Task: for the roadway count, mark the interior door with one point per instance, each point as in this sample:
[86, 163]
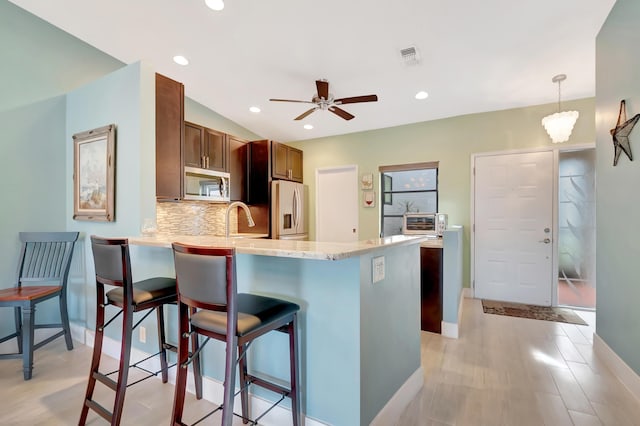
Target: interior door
[513, 227]
[337, 204]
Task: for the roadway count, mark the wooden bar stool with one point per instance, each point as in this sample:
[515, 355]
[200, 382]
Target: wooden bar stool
[113, 267]
[206, 280]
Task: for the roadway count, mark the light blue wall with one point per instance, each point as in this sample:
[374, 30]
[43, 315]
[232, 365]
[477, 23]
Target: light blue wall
[32, 179]
[617, 196]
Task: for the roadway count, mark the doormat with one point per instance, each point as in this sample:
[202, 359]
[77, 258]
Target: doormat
[544, 313]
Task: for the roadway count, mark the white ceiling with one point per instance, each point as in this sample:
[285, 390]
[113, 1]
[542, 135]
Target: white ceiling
[475, 56]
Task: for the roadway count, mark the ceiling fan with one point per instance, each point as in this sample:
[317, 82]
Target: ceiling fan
[324, 100]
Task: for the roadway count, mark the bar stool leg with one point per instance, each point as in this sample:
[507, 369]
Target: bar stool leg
[197, 368]
[229, 378]
[295, 369]
[181, 372]
[161, 343]
[125, 357]
[97, 351]
[242, 371]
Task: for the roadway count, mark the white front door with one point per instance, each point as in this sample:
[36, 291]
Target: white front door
[513, 227]
[337, 204]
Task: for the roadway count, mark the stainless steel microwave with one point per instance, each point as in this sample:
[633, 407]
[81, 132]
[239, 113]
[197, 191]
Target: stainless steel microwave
[206, 185]
[424, 223]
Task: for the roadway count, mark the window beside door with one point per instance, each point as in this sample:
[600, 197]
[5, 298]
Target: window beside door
[407, 188]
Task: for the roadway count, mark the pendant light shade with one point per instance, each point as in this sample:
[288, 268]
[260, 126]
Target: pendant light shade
[560, 125]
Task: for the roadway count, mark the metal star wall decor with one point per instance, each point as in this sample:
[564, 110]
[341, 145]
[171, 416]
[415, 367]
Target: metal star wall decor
[621, 133]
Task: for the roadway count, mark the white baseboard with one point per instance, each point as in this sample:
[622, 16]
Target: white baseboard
[618, 367]
[467, 292]
[398, 403]
[212, 390]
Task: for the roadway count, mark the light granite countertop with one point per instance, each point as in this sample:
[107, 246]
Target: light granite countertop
[281, 248]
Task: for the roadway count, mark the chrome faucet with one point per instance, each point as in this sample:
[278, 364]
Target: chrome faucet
[246, 210]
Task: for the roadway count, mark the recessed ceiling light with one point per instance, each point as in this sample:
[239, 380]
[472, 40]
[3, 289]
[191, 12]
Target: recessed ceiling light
[308, 126]
[180, 60]
[215, 4]
[422, 95]
[254, 109]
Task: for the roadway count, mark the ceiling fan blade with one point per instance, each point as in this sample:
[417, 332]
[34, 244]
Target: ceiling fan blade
[323, 88]
[356, 99]
[290, 100]
[306, 113]
[341, 113]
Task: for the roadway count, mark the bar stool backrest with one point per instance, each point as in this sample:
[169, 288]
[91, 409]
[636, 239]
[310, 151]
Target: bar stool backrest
[111, 260]
[206, 276]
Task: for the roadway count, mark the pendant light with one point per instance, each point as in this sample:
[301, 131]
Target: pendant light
[560, 125]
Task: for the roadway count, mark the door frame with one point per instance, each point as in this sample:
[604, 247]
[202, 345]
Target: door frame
[555, 150]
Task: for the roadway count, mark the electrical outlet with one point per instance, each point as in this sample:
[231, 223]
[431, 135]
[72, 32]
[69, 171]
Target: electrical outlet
[378, 268]
[143, 334]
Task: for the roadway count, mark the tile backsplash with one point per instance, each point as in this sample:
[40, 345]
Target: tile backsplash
[193, 218]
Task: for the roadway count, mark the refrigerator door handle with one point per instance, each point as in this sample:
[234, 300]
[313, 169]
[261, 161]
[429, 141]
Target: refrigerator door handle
[295, 208]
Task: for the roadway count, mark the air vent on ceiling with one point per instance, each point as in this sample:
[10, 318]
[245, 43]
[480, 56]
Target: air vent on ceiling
[410, 56]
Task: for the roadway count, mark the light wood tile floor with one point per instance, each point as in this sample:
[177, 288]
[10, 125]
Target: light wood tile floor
[502, 371]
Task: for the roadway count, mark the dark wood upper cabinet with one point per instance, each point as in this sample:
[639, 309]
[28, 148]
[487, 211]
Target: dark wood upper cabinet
[169, 133]
[286, 162]
[215, 150]
[204, 148]
[237, 166]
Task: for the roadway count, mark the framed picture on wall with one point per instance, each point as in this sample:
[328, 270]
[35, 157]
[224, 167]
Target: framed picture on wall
[94, 174]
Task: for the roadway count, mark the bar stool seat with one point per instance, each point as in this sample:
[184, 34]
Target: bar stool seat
[254, 312]
[151, 289]
[209, 305]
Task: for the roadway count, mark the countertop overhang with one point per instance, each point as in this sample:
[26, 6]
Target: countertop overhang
[281, 248]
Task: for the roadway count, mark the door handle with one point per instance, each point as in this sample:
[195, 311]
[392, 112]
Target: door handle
[546, 241]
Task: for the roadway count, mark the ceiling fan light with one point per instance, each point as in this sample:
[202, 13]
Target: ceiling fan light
[215, 4]
[560, 125]
[254, 109]
[308, 126]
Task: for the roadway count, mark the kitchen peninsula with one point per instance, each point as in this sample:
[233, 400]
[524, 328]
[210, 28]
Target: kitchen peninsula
[360, 339]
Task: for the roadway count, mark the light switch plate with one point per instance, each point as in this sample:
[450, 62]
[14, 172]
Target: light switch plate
[378, 268]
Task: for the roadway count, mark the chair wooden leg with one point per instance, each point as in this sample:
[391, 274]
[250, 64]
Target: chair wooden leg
[229, 379]
[242, 371]
[181, 371]
[97, 352]
[17, 314]
[64, 317]
[295, 371]
[27, 340]
[161, 343]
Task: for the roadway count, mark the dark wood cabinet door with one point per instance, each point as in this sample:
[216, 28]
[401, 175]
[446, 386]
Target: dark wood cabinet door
[214, 150]
[279, 163]
[295, 164]
[431, 289]
[169, 131]
[193, 134]
[237, 168]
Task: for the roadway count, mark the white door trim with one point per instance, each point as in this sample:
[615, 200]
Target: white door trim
[556, 150]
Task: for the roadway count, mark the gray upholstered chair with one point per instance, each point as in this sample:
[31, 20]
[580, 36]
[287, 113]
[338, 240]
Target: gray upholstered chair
[113, 268]
[45, 259]
[207, 281]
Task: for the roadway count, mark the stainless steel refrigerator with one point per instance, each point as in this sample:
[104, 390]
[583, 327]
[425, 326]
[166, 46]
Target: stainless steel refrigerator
[288, 211]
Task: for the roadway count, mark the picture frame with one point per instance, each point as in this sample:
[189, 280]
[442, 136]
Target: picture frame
[94, 174]
[366, 181]
[368, 199]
